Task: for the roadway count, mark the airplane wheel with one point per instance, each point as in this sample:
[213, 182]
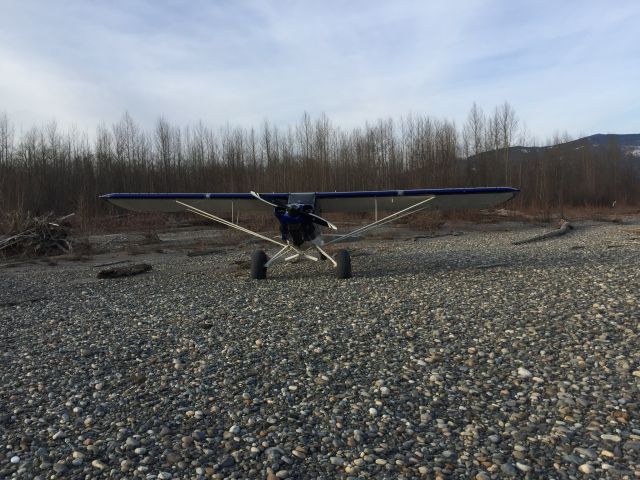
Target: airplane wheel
[343, 259]
[258, 270]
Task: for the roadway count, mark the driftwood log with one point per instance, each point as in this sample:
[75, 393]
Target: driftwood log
[127, 271]
[109, 264]
[564, 228]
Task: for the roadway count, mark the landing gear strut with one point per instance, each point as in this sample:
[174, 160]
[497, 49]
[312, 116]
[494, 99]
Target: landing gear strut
[260, 262]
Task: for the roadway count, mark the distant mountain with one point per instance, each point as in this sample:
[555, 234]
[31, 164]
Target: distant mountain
[626, 140]
[629, 145]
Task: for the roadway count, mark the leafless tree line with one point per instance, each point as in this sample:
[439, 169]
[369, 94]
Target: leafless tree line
[565, 173]
[46, 169]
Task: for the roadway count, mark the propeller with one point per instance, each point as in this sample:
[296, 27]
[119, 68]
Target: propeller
[317, 218]
[322, 221]
[257, 195]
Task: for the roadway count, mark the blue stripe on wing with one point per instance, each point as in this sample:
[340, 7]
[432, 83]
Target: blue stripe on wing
[319, 195]
[415, 192]
[192, 196]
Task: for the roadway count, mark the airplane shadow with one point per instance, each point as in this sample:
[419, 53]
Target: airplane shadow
[396, 263]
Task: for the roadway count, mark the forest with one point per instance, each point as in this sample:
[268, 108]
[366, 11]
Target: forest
[46, 169]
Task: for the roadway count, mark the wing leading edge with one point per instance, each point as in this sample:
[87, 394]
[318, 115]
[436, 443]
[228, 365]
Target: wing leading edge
[326, 202]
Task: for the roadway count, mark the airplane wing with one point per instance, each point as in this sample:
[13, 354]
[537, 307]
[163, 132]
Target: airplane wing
[396, 200]
[216, 203]
[326, 202]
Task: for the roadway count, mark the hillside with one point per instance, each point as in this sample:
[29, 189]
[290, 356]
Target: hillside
[596, 170]
[629, 145]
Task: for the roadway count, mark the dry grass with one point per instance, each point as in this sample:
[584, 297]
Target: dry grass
[604, 214]
[429, 221]
[129, 222]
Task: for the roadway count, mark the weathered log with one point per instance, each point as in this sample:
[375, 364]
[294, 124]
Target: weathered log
[127, 271]
[109, 264]
[564, 228]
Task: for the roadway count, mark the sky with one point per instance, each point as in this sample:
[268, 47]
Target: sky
[565, 65]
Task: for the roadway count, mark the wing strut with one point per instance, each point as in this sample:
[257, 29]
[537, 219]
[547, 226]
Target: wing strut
[389, 218]
[227, 223]
[286, 247]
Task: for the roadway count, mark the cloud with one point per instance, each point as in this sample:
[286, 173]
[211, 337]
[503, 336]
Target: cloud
[562, 65]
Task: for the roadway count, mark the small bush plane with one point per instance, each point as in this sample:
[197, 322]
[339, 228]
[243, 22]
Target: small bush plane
[300, 217]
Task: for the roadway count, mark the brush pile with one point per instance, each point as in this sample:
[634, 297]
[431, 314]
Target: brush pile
[35, 236]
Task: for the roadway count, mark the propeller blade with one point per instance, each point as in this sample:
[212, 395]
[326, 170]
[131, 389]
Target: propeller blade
[256, 195]
[323, 221]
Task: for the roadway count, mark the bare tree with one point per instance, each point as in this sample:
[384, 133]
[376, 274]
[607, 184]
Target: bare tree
[6, 138]
[473, 130]
[508, 125]
[47, 168]
[163, 150]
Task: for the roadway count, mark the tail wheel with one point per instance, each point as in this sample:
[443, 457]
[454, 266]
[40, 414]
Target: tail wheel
[343, 259]
[258, 270]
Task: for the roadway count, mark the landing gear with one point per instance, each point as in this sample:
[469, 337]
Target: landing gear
[343, 267]
[260, 262]
[258, 268]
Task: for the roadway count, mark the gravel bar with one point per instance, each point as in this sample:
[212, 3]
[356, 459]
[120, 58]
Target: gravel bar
[449, 357]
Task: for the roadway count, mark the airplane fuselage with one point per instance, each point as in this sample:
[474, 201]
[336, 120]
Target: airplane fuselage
[296, 226]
